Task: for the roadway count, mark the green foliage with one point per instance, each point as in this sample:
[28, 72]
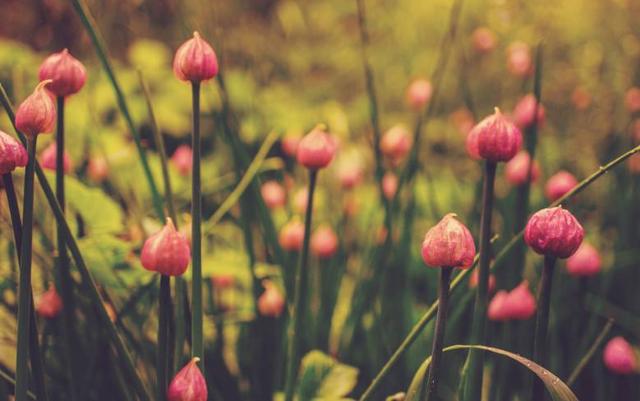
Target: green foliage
[324, 378]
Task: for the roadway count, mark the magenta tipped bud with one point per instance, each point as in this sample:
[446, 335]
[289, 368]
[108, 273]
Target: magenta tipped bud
[166, 252]
[559, 184]
[419, 93]
[554, 232]
[324, 242]
[50, 304]
[291, 236]
[274, 194]
[497, 310]
[389, 185]
[585, 262]
[484, 40]
[182, 159]
[521, 304]
[448, 244]
[188, 384]
[48, 159]
[316, 149]
[195, 60]
[37, 113]
[396, 143]
[498, 139]
[12, 154]
[619, 356]
[271, 302]
[67, 73]
[517, 169]
[523, 114]
[519, 60]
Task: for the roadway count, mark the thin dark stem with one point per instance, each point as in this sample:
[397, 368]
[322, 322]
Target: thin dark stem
[590, 353]
[196, 217]
[438, 337]
[300, 291]
[65, 283]
[24, 286]
[35, 357]
[164, 348]
[542, 322]
[476, 357]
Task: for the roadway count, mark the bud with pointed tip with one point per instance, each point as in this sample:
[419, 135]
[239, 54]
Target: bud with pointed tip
[271, 302]
[497, 310]
[517, 169]
[166, 252]
[273, 194]
[523, 114]
[448, 244]
[389, 185]
[50, 304]
[182, 159]
[619, 356]
[554, 232]
[585, 262]
[188, 384]
[37, 113]
[498, 138]
[12, 154]
[316, 149]
[324, 242]
[195, 60]
[396, 142]
[289, 144]
[48, 159]
[520, 303]
[419, 93]
[67, 73]
[291, 236]
[559, 184]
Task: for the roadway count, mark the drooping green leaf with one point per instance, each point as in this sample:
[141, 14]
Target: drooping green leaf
[324, 378]
[558, 390]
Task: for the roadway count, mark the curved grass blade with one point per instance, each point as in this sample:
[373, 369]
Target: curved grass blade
[589, 354]
[558, 389]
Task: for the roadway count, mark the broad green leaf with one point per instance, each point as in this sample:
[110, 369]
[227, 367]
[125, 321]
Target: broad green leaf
[324, 378]
[106, 256]
[557, 388]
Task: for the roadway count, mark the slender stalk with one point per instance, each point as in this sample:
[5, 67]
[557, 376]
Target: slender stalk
[196, 216]
[24, 286]
[35, 356]
[65, 283]
[542, 322]
[164, 351]
[476, 357]
[300, 291]
[438, 337]
[590, 353]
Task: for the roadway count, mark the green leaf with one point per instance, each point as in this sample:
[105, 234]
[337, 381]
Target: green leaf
[557, 388]
[107, 258]
[324, 378]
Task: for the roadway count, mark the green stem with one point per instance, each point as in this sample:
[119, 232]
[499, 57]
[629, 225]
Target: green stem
[590, 353]
[65, 283]
[542, 322]
[196, 216]
[476, 357]
[438, 337]
[300, 291]
[164, 348]
[35, 357]
[24, 286]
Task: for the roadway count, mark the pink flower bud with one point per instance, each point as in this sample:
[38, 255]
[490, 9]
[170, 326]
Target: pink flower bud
[519, 59]
[396, 142]
[50, 304]
[517, 169]
[98, 169]
[389, 185]
[498, 311]
[12, 154]
[585, 262]
[632, 99]
[273, 194]
[520, 303]
[37, 113]
[559, 184]
[484, 40]
[166, 252]
[48, 159]
[195, 60]
[619, 356]
[324, 242]
[554, 232]
[471, 144]
[289, 144]
[473, 280]
[182, 159]
[350, 172]
[581, 98]
[448, 244]
[67, 74]
[188, 384]
[523, 114]
[223, 281]
[316, 149]
[271, 302]
[419, 93]
[291, 236]
[498, 138]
